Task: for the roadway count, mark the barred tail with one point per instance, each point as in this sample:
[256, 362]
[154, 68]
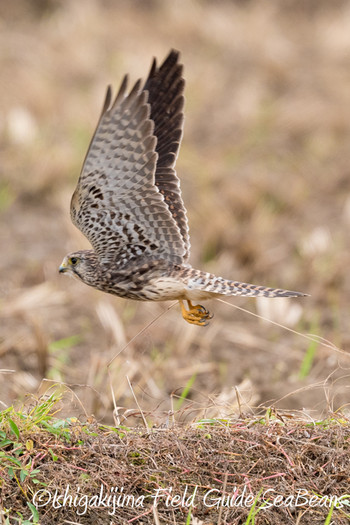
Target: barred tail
[197, 281]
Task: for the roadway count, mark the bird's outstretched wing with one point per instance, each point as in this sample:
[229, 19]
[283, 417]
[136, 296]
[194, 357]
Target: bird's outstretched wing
[165, 86]
[117, 204]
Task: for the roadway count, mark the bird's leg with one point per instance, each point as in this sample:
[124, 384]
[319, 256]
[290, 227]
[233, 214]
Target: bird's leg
[196, 314]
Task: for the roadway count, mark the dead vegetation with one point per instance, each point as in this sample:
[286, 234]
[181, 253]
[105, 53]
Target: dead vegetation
[270, 469]
[264, 157]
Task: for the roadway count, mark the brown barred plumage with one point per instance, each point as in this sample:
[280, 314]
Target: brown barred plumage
[128, 202]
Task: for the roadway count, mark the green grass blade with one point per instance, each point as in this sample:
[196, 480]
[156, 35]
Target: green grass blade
[309, 356]
[329, 516]
[14, 428]
[185, 392]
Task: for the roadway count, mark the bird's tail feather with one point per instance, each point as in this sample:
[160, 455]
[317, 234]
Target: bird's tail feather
[207, 282]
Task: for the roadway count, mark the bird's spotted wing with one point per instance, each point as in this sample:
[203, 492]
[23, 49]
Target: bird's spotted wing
[165, 86]
[116, 204]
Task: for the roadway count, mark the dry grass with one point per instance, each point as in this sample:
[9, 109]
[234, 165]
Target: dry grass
[273, 469]
[264, 156]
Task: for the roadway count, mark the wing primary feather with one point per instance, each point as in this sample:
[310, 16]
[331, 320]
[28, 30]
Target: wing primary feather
[135, 90]
[172, 58]
[153, 67]
[108, 99]
[122, 90]
[105, 107]
[165, 96]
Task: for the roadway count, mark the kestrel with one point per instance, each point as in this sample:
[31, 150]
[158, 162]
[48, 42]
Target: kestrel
[128, 202]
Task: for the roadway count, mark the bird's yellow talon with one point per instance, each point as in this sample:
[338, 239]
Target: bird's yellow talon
[196, 314]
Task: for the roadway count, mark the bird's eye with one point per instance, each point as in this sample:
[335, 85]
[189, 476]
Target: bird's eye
[74, 260]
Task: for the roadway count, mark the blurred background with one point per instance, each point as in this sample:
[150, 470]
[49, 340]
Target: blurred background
[265, 174]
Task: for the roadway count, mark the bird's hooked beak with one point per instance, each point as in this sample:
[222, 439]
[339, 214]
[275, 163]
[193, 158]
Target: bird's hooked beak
[64, 267]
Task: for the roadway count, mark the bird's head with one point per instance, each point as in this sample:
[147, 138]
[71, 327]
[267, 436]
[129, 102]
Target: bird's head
[82, 265]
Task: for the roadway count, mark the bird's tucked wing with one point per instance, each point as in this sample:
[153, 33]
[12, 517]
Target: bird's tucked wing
[165, 86]
[116, 204]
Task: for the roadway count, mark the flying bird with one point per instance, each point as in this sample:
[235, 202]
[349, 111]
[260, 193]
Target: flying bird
[128, 202]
